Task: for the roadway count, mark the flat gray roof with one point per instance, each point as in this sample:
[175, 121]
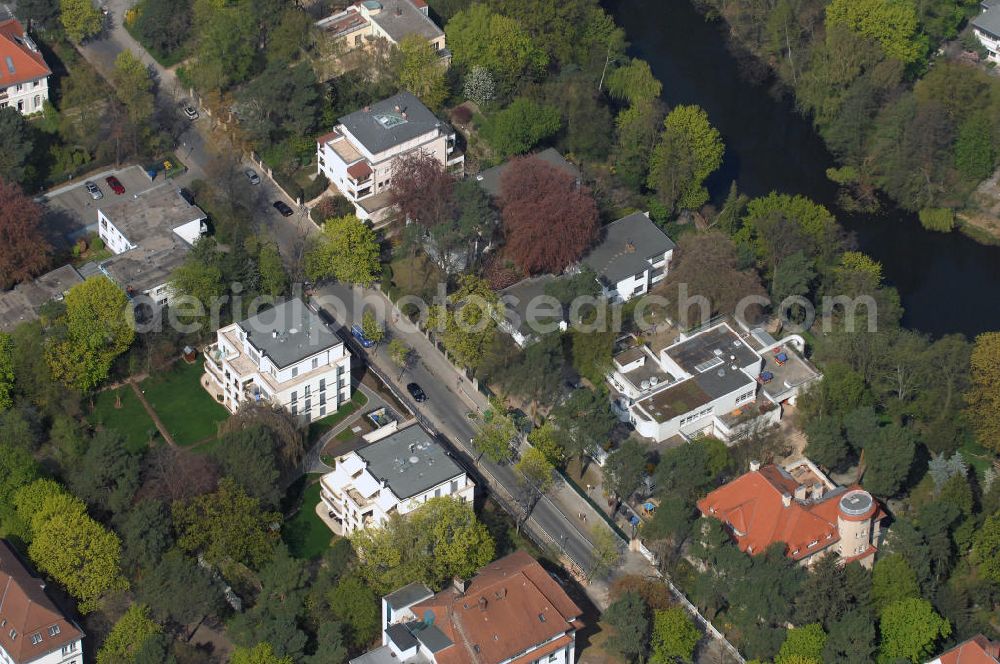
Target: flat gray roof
[151, 214]
[517, 297]
[410, 461]
[489, 179]
[713, 345]
[21, 304]
[722, 381]
[432, 637]
[400, 635]
[288, 333]
[409, 594]
[400, 18]
[989, 21]
[150, 264]
[382, 127]
[627, 246]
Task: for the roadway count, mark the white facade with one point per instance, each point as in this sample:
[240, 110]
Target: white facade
[986, 28]
[242, 372]
[364, 489]
[28, 97]
[640, 282]
[69, 653]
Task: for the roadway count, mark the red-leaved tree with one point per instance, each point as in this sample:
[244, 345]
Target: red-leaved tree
[24, 252]
[549, 220]
[422, 190]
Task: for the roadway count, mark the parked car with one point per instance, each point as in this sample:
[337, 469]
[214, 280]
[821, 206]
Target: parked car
[115, 184]
[191, 112]
[252, 176]
[94, 191]
[416, 392]
[282, 207]
[186, 195]
[360, 336]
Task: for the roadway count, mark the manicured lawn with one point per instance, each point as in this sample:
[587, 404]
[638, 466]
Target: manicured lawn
[976, 455]
[131, 420]
[319, 427]
[186, 409]
[305, 534]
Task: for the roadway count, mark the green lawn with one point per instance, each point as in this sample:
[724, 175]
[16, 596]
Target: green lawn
[305, 534]
[185, 408]
[976, 455]
[319, 427]
[131, 420]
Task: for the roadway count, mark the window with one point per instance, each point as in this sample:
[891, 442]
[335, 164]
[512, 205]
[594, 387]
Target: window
[295, 372]
[295, 396]
[322, 398]
[315, 362]
[295, 409]
[308, 405]
[36, 638]
[13, 634]
[20, 87]
[68, 648]
[307, 390]
[322, 411]
[36, 84]
[37, 101]
[454, 486]
[20, 105]
[437, 492]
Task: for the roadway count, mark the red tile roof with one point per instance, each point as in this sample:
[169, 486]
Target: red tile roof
[511, 605]
[977, 650]
[359, 171]
[26, 611]
[753, 505]
[15, 52]
[326, 138]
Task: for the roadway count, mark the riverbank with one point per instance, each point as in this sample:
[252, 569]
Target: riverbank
[947, 282]
[981, 221]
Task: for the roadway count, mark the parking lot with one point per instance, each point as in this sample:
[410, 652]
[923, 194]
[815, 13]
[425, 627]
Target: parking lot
[70, 211]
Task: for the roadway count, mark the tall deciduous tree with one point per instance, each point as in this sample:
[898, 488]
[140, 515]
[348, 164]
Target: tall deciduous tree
[128, 635]
[549, 220]
[496, 438]
[226, 525]
[892, 580]
[133, 87]
[629, 617]
[262, 653]
[534, 475]
[438, 541]
[983, 397]
[893, 24]
[625, 468]
[584, 422]
[466, 323]
[521, 126]
[80, 18]
[107, 475]
[6, 372]
[24, 252]
[16, 146]
[674, 636]
[421, 71]
[634, 82]
[347, 250]
[99, 328]
[689, 150]
[638, 130]
[910, 630]
[802, 645]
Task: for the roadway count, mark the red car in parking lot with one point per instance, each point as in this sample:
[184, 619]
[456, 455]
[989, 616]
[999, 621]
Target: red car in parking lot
[115, 185]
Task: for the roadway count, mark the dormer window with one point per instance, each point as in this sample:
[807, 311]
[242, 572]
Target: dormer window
[54, 630]
[36, 638]
[812, 544]
[13, 634]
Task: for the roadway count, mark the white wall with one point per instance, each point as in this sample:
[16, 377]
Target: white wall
[991, 44]
[71, 653]
[691, 422]
[28, 98]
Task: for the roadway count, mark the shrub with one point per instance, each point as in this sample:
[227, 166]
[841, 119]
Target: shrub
[461, 115]
[331, 208]
[937, 219]
[315, 187]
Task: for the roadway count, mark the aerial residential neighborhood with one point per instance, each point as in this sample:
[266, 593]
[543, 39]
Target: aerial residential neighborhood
[457, 332]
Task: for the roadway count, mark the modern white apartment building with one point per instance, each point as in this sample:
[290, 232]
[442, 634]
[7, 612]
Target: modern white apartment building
[633, 257]
[24, 76]
[714, 382]
[391, 20]
[150, 234]
[33, 630]
[394, 475]
[284, 356]
[511, 612]
[359, 155]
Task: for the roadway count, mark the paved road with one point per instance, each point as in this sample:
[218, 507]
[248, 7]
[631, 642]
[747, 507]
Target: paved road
[201, 145]
[448, 406]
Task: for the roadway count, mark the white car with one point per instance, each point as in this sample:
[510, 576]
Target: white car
[191, 112]
[94, 191]
[252, 176]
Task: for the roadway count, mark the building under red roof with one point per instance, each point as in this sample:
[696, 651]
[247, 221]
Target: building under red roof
[977, 650]
[20, 59]
[32, 625]
[800, 507]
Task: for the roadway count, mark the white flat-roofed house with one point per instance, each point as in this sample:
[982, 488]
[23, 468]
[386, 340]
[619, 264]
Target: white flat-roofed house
[284, 356]
[391, 20]
[358, 156]
[150, 234]
[24, 76]
[633, 257]
[986, 27]
[33, 630]
[395, 474]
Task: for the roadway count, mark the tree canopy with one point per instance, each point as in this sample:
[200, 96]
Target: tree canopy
[24, 251]
[689, 150]
[347, 250]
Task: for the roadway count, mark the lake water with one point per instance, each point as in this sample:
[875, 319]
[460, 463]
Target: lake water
[947, 282]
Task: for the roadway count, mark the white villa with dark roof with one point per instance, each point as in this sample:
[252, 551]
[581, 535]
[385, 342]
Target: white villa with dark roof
[33, 630]
[284, 356]
[359, 155]
[986, 27]
[394, 475]
[713, 382]
[633, 257]
[391, 20]
[24, 76]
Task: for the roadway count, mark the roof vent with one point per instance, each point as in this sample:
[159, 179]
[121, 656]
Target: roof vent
[482, 603]
[754, 465]
[274, 334]
[733, 367]
[721, 372]
[414, 459]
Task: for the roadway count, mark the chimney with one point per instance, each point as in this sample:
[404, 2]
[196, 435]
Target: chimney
[818, 490]
[397, 109]
[800, 492]
[274, 334]
[482, 603]
[629, 247]
[403, 114]
[754, 466]
[367, 109]
[458, 583]
[786, 499]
